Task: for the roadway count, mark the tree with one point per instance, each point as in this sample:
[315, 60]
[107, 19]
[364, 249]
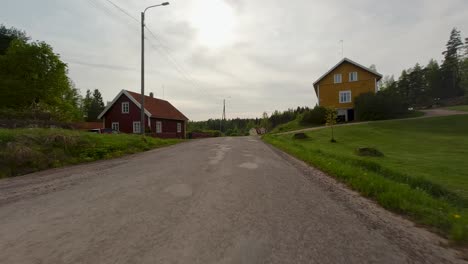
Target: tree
[464, 70]
[373, 67]
[7, 35]
[95, 107]
[87, 102]
[451, 76]
[417, 87]
[265, 123]
[387, 83]
[32, 77]
[331, 121]
[434, 80]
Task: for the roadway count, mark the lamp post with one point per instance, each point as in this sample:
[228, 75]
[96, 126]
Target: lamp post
[142, 122]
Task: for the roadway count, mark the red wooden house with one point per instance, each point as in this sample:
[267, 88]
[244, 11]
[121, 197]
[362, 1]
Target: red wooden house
[162, 118]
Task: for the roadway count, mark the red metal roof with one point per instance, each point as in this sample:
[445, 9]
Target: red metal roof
[159, 108]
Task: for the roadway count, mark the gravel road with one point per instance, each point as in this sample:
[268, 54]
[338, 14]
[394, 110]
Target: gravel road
[222, 200]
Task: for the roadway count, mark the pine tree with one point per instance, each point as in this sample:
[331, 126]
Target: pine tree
[451, 76]
[87, 103]
[95, 107]
[433, 79]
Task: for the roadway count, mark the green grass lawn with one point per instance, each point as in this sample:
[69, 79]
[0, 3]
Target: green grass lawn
[290, 126]
[458, 108]
[27, 150]
[423, 173]
[295, 124]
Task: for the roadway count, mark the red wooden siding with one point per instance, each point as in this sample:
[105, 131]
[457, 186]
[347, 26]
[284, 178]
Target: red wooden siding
[125, 120]
[169, 128]
[114, 114]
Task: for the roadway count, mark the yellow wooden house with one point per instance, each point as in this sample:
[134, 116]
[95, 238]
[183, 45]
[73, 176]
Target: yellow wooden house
[339, 86]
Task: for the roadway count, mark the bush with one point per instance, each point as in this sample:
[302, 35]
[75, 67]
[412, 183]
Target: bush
[27, 150]
[369, 152]
[383, 105]
[300, 136]
[315, 116]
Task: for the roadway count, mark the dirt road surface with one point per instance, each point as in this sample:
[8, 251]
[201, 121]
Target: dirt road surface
[223, 200]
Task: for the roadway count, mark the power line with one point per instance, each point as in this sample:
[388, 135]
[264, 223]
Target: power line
[123, 10]
[163, 49]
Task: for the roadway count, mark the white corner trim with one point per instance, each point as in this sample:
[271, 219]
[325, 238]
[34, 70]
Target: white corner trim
[376, 87]
[117, 98]
[318, 95]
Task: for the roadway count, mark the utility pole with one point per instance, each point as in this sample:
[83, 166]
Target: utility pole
[223, 117]
[142, 100]
[142, 123]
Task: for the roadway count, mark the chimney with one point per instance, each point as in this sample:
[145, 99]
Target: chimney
[151, 95]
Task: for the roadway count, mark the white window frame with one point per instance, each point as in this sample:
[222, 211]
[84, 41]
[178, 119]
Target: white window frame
[179, 128]
[158, 127]
[125, 107]
[136, 131]
[338, 78]
[351, 75]
[115, 126]
[344, 93]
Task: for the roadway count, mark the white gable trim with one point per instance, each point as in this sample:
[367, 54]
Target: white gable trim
[350, 61]
[117, 98]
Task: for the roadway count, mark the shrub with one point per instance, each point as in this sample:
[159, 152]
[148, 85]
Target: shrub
[369, 152]
[383, 105]
[300, 136]
[315, 116]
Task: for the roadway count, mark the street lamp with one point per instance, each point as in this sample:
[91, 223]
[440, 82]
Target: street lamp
[142, 122]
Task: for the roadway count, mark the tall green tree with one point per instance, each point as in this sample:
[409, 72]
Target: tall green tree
[451, 70]
[464, 69]
[417, 87]
[32, 77]
[434, 79]
[95, 107]
[7, 35]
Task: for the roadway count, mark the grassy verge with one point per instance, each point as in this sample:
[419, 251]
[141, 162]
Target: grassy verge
[27, 150]
[423, 173]
[458, 108]
[290, 126]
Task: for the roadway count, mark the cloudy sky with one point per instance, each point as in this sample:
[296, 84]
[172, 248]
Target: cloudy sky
[260, 55]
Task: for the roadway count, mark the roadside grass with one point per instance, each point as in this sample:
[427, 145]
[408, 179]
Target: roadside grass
[458, 108]
[24, 151]
[290, 126]
[423, 173]
[295, 124]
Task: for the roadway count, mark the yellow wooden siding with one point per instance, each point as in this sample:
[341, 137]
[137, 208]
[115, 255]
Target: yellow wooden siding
[328, 91]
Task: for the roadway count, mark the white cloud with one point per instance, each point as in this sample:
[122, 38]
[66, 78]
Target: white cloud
[268, 58]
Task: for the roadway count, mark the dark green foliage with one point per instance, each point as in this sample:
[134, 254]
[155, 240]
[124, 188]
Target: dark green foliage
[7, 35]
[278, 118]
[383, 105]
[368, 152]
[241, 126]
[300, 136]
[427, 86]
[32, 77]
[315, 116]
[93, 105]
